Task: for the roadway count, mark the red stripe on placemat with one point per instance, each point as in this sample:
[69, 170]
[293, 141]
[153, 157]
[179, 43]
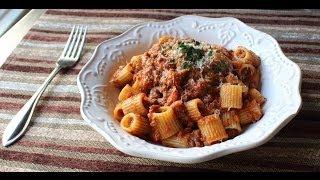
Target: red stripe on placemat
[82, 149]
[42, 108]
[300, 50]
[35, 69]
[167, 17]
[89, 165]
[47, 98]
[316, 43]
[37, 60]
[39, 37]
[203, 11]
[51, 31]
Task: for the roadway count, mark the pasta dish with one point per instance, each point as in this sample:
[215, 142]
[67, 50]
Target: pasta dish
[183, 93]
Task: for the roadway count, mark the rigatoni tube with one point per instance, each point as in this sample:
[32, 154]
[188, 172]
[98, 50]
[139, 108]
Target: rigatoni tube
[123, 76]
[135, 104]
[177, 141]
[166, 122]
[231, 123]
[246, 56]
[193, 109]
[126, 92]
[231, 96]
[211, 129]
[251, 113]
[135, 124]
[256, 95]
[118, 111]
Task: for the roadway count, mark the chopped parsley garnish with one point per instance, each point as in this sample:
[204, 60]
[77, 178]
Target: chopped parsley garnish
[183, 48]
[221, 67]
[192, 54]
[186, 65]
[210, 53]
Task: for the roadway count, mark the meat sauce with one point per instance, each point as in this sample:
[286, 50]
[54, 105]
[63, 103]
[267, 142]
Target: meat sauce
[175, 71]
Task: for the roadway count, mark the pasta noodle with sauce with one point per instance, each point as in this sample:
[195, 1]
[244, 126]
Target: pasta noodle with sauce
[123, 76]
[126, 92]
[135, 124]
[193, 109]
[166, 122]
[135, 104]
[231, 96]
[183, 93]
[212, 129]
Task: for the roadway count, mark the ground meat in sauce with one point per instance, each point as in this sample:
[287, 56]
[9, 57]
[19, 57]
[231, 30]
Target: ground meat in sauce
[174, 87]
[182, 114]
[195, 139]
[178, 70]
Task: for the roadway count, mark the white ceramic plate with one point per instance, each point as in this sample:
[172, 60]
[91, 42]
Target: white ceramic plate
[281, 79]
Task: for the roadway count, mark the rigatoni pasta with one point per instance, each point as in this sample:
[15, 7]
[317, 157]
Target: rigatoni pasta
[135, 104]
[193, 109]
[123, 76]
[246, 56]
[256, 95]
[165, 122]
[231, 96]
[184, 93]
[118, 111]
[135, 124]
[251, 113]
[136, 62]
[177, 141]
[126, 92]
[212, 129]
[231, 123]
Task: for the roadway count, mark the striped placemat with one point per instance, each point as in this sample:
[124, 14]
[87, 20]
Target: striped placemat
[60, 140]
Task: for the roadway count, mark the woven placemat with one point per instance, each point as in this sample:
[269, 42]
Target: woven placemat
[60, 140]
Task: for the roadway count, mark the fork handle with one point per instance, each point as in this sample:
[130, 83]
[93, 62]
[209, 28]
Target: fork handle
[18, 125]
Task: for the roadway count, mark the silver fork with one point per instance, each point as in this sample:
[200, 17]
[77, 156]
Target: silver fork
[69, 57]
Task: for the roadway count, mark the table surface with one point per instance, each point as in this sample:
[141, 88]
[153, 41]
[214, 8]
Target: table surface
[59, 139]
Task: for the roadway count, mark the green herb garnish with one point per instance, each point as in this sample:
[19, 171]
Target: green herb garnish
[186, 65]
[222, 66]
[192, 55]
[210, 53]
[183, 48]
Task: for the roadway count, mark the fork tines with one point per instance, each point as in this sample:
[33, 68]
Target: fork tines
[75, 43]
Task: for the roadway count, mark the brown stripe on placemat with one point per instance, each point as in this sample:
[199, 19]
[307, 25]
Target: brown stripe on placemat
[306, 73]
[82, 149]
[300, 50]
[42, 108]
[317, 43]
[35, 69]
[230, 13]
[39, 37]
[261, 13]
[99, 39]
[167, 17]
[57, 32]
[47, 98]
[89, 165]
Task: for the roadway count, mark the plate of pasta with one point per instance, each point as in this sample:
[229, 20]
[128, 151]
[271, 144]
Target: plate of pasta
[190, 89]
